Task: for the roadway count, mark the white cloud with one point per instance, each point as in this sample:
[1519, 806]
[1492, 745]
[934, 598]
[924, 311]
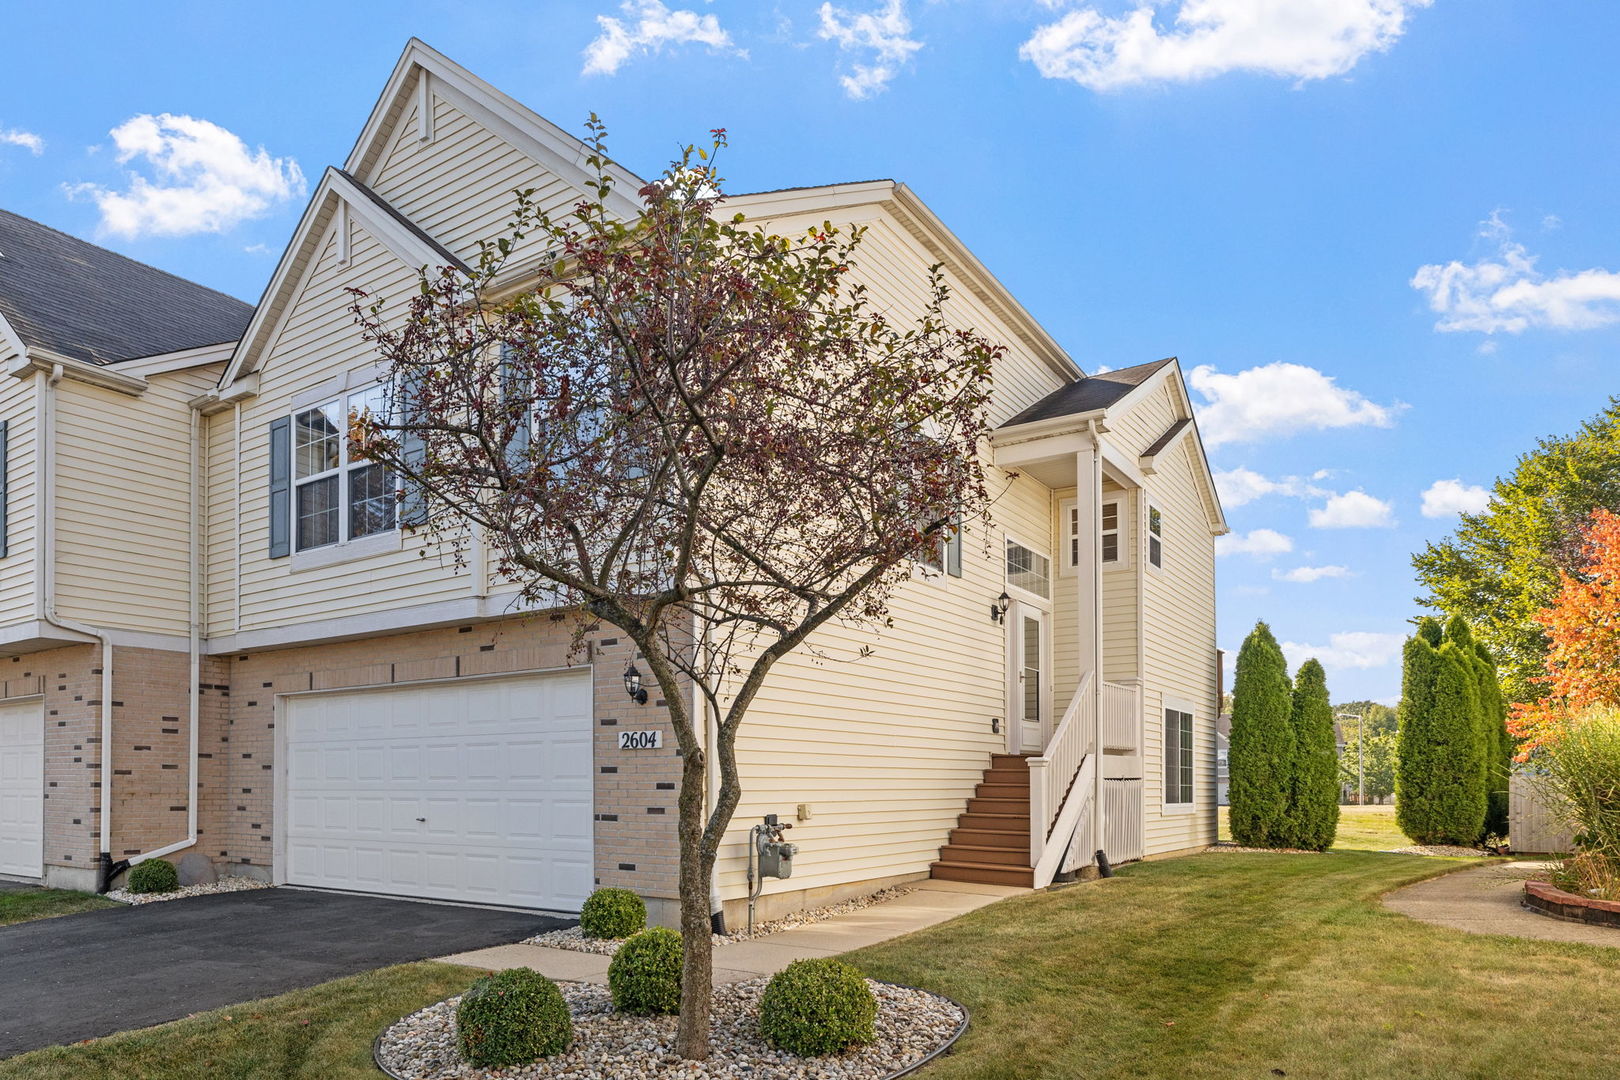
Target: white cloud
[1353, 510]
[883, 33]
[1278, 399]
[1261, 543]
[647, 27]
[1358, 649]
[25, 139]
[1505, 293]
[1240, 486]
[1200, 39]
[204, 179]
[1447, 498]
[1304, 575]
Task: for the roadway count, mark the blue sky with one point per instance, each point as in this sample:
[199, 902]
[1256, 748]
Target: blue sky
[1381, 234]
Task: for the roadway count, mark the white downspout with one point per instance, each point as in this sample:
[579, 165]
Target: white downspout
[1095, 614]
[194, 665]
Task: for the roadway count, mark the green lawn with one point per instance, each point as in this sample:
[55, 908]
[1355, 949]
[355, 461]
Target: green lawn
[323, 1033]
[1255, 966]
[21, 905]
[1361, 828]
[1213, 966]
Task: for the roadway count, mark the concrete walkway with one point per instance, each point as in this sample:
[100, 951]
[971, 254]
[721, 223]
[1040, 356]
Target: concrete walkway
[929, 903]
[1486, 900]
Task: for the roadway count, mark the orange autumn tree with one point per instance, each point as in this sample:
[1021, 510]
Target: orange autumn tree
[1583, 633]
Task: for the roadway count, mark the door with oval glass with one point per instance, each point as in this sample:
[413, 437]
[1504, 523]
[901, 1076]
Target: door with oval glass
[1029, 648]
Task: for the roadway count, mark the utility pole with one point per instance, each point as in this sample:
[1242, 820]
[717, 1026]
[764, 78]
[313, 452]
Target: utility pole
[1361, 757]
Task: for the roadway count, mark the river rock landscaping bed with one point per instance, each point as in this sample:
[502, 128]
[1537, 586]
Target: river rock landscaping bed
[911, 1025]
[574, 940]
[224, 884]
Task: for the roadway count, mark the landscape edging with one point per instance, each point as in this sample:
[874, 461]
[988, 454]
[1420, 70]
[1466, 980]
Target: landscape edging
[1555, 903]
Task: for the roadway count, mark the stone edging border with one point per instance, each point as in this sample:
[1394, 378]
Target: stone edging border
[1555, 903]
[927, 1059]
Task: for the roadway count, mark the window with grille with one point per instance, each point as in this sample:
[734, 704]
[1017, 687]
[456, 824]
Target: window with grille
[1178, 756]
[1028, 570]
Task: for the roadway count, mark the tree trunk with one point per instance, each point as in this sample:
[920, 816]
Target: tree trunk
[697, 946]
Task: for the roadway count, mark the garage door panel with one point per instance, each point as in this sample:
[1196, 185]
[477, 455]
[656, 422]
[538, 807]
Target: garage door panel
[22, 789]
[500, 770]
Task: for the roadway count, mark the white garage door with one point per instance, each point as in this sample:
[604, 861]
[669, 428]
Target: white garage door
[22, 788]
[476, 791]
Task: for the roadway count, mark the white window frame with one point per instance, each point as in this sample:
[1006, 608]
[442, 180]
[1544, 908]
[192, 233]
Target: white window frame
[341, 393]
[1166, 707]
[1018, 590]
[1148, 536]
[1069, 533]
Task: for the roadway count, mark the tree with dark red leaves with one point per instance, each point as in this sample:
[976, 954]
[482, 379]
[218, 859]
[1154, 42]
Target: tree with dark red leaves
[701, 433]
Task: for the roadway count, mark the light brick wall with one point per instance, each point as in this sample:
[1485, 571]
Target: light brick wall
[635, 790]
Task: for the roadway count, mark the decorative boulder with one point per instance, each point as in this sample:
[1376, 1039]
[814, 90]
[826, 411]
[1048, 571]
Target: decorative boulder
[196, 869]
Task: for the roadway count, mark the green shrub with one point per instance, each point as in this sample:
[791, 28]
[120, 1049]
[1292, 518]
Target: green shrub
[512, 1018]
[645, 974]
[1440, 785]
[1262, 754]
[153, 876]
[612, 913]
[1314, 811]
[1578, 774]
[816, 1007]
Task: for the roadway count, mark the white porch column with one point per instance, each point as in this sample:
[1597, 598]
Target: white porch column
[1088, 580]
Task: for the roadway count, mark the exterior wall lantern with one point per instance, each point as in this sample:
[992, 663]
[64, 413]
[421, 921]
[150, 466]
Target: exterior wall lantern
[999, 606]
[633, 687]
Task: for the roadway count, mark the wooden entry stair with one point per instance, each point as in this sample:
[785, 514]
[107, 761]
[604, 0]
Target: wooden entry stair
[990, 843]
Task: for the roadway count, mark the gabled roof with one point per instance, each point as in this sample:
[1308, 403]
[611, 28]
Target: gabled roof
[1089, 394]
[72, 298]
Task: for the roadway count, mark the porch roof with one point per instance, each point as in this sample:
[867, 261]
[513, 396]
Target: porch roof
[1089, 394]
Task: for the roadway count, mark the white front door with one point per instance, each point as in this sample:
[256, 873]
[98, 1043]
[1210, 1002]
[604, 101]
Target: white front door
[476, 791]
[1031, 693]
[22, 788]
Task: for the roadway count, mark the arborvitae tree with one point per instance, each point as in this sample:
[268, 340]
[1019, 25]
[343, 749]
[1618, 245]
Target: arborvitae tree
[1498, 743]
[1262, 747]
[1429, 630]
[1440, 794]
[1315, 810]
[1458, 633]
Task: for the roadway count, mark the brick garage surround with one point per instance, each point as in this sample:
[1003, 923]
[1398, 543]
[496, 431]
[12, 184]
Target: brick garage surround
[635, 790]
[149, 758]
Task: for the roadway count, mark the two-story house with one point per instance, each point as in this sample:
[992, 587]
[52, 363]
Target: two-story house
[292, 685]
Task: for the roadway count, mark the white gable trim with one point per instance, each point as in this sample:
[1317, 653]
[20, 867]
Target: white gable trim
[338, 203]
[544, 142]
[9, 338]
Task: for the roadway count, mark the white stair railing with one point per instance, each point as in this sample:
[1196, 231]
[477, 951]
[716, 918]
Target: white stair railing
[1060, 782]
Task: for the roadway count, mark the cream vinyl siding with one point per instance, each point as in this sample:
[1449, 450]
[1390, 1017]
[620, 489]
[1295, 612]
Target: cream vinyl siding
[18, 568]
[123, 502]
[458, 187]
[1119, 605]
[886, 749]
[1178, 615]
[219, 485]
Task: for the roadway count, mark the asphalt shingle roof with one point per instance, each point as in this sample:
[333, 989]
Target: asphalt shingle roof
[1088, 394]
[71, 297]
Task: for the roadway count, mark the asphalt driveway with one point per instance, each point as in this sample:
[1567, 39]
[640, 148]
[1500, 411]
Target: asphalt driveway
[91, 974]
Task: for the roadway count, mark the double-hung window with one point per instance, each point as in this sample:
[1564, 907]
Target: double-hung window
[1108, 534]
[337, 495]
[1178, 757]
[1155, 537]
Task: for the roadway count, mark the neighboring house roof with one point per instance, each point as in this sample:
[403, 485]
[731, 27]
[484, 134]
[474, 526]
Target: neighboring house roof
[70, 297]
[1089, 394]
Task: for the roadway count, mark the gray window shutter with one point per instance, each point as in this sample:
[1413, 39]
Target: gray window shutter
[5, 488]
[281, 487]
[412, 499]
[953, 550]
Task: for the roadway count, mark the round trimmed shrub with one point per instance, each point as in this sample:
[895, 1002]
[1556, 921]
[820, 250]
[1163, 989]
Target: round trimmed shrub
[512, 1018]
[816, 1007]
[644, 976]
[612, 913]
[153, 876]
